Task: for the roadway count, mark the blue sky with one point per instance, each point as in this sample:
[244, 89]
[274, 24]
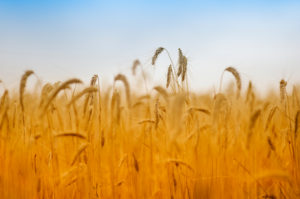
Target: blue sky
[62, 39]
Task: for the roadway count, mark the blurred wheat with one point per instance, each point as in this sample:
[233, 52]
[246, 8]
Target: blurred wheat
[65, 142]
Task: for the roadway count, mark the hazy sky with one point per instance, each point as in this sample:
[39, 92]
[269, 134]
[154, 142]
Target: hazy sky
[61, 39]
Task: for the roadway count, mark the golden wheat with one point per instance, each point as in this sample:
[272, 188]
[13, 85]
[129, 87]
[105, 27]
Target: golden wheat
[178, 143]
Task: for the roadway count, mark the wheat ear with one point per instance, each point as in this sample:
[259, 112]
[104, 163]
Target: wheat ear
[155, 56]
[180, 61]
[282, 89]
[135, 64]
[169, 76]
[184, 68]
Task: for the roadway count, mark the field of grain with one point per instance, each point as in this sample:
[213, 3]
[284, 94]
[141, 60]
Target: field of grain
[70, 140]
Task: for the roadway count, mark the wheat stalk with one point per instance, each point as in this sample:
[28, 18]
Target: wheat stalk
[80, 150]
[169, 76]
[184, 68]
[3, 99]
[295, 97]
[156, 113]
[135, 163]
[88, 90]
[23, 85]
[237, 77]
[58, 89]
[4, 105]
[123, 79]
[297, 121]
[162, 92]
[271, 114]
[249, 91]
[146, 121]
[93, 80]
[115, 105]
[270, 143]
[71, 175]
[47, 88]
[137, 104]
[254, 118]
[71, 134]
[207, 112]
[102, 139]
[274, 174]
[282, 89]
[220, 105]
[90, 96]
[180, 162]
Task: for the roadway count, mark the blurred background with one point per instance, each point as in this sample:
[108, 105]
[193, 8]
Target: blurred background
[62, 39]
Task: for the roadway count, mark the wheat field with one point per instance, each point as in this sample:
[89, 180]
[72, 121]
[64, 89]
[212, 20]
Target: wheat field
[71, 140]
